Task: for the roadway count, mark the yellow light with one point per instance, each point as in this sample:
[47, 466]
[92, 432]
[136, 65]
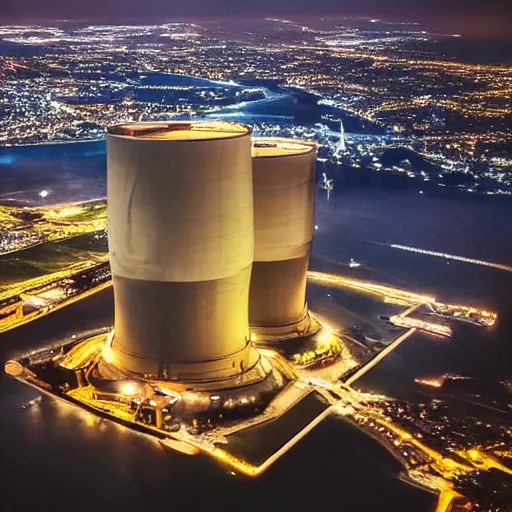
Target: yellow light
[107, 354]
[128, 388]
[324, 337]
[435, 383]
[474, 454]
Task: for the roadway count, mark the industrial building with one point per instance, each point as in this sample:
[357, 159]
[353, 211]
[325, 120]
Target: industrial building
[284, 208]
[181, 241]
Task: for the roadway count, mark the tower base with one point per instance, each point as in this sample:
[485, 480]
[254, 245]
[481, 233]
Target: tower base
[77, 371]
[243, 368]
[307, 344]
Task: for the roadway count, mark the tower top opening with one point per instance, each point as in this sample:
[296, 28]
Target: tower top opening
[269, 147]
[180, 131]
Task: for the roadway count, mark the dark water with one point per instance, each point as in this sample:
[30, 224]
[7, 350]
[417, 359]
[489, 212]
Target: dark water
[53, 455]
[57, 457]
[68, 171]
[360, 224]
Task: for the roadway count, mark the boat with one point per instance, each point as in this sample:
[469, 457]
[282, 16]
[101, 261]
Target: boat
[353, 263]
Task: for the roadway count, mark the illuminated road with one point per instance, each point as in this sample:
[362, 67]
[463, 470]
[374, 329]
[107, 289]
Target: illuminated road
[47, 280]
[446, 498]
[30, 317]
[416, 323]
[380, 356]
[470, 314]
[387, 292]
[483, 461]
[250, 470]
[446, 466]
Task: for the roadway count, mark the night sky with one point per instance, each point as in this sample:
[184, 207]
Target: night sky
[479, 16]
[147, 8]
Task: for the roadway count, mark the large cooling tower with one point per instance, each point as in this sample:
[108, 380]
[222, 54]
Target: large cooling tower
[180, 220]
[284, 207]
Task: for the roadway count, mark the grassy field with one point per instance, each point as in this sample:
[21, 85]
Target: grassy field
[85, 212]
[47, 258]
[8, 218]
[12, 217]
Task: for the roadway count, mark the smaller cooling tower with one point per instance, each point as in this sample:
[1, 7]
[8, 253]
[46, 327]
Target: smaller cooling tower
[284, 207]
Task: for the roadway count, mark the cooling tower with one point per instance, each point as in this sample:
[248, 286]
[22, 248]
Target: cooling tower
[180, 221]
[284, 207]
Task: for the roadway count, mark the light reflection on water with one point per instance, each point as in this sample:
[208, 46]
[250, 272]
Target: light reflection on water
[55, 448]
[7, 159]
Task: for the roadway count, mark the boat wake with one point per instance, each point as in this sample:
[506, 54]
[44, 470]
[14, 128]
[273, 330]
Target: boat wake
[447, 256]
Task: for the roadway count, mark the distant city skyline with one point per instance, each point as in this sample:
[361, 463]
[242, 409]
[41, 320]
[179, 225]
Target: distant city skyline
[470, 17]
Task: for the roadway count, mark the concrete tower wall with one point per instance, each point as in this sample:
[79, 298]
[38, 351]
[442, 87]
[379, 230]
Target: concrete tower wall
[284, 205]
[180, 216]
